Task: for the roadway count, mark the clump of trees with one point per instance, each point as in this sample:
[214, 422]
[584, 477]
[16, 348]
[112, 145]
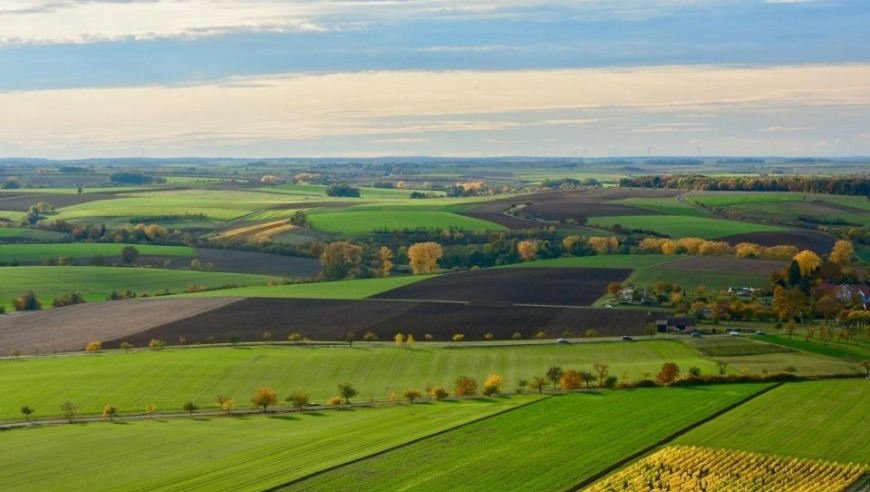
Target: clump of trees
[68, 299]
[342, 190]
[27, 302]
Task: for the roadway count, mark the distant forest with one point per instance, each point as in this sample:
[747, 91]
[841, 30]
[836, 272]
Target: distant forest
[839, 185]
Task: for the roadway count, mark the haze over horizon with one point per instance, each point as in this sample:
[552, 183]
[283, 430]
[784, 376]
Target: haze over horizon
[363, 78]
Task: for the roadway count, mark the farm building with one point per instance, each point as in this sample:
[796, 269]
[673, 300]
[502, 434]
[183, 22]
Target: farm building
[676, 323]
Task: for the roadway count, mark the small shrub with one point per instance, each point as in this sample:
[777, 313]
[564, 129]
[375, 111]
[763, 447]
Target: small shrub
[334, 401]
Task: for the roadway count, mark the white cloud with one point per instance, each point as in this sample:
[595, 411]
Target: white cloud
[787, 129]
[420, 107]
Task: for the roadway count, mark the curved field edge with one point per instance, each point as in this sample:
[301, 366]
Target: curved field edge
[241, 453]
[548, 446]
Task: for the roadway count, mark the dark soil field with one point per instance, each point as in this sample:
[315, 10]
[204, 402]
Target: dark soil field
[332, 320]
[23, 203]
[539, 286]
[557, 206]
[724, 264]
[231, 261]
[811, 240]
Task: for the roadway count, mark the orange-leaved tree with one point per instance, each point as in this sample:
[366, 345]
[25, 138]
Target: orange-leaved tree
[423, 257]
[264, 397]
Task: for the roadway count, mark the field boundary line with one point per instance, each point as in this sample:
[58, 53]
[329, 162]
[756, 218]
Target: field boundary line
[399, 446]
[666, 440]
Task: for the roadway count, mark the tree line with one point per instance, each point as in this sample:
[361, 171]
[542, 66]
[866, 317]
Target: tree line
[836, 185]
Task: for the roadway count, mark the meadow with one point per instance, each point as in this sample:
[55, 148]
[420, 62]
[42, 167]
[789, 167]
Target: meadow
[354, 222]
[573, 437]
[241, 453]
[27, 234]
[349, 289]
[825, 420]
[96, 283]
[169, 377]
[30, 253]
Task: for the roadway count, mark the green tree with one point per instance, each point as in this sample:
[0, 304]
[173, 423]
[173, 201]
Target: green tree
[587, 378]
[225, 403]
[299, 399]
[27, 411]
[554, 374]
[264, 397]
[439, 393]
[347, 391]
[109, 412]
[412, 394]
[189, 407]
[27, 302]
[69, 410]
[602, 369]
[539, 383]
[129, 255]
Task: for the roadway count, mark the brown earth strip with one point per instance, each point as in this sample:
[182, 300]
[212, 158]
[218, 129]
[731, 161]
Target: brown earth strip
[259, 263]
[544, 286]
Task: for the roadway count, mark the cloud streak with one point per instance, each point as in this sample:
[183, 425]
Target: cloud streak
[440, 113]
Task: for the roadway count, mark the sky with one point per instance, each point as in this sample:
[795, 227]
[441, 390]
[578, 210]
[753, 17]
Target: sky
[366, 78]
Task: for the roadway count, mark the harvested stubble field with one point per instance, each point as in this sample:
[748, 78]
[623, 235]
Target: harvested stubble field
[539, 286]
[550, 445]
[73, 327]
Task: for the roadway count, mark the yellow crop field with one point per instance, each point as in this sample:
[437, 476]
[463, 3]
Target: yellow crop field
[718, 470]
[258, 231]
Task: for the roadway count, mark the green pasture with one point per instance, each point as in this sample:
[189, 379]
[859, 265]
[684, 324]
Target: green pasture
[825, 420]
[96, 283]
[346, 289]
[26, 233]
[243, 453]
[683, 226]
[857, 351]
[727, 199]
[355, 222]
[215, 204]
[168, 378]
[712, 281]
[549, 445]
[40, 252]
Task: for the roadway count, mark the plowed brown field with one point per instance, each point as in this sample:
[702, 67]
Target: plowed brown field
[568, 204]
[540, 286]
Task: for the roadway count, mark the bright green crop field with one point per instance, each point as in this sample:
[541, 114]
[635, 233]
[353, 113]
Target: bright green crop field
[684, 226]
[40, 252]
[824, 420]
[23, 233]
[712, 281]
[346, 289]
[96, 283]
[243, 453]
[131, 380]
[547, 446]
[354, 222]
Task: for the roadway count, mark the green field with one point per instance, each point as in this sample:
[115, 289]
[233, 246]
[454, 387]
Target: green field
[244, 453]
[96, 283]
[130, 381]
[713, 282]
[824, 420]
[21, 233]
[346, 289]
[550, 445]
[41, 252]
[669, 206]
[855, 351]
[683, 226]
[355, 222]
